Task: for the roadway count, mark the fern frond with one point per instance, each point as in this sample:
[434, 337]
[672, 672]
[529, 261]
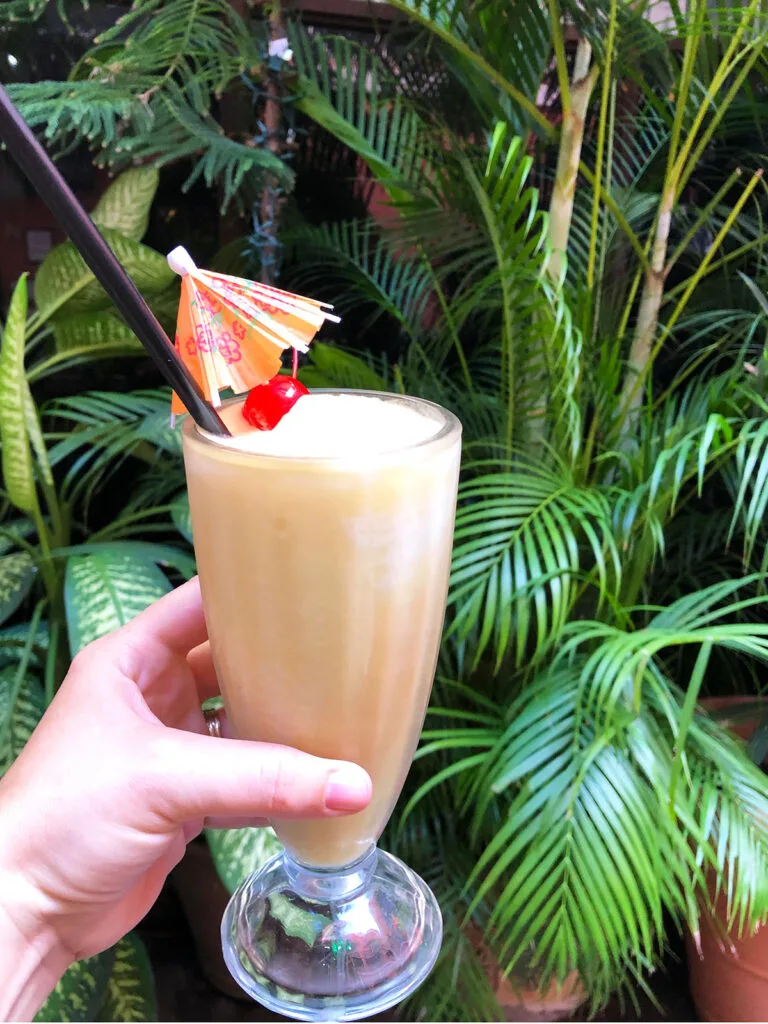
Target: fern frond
[15, 11]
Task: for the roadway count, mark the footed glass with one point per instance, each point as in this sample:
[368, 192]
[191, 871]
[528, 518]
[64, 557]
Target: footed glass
[324, 564]
[341, 944]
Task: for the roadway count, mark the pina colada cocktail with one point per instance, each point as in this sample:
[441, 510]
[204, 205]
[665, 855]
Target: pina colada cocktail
[323, 547]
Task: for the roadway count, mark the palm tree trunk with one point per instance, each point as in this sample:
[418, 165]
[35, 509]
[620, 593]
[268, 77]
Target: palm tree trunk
[569, 157]
[272, 116]
[648, 314]
[234, 117]
[561, 205]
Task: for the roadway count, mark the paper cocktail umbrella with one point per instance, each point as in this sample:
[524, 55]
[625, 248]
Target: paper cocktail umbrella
[232, 333]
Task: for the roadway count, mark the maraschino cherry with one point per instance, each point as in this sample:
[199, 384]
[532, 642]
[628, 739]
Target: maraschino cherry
[267, 403]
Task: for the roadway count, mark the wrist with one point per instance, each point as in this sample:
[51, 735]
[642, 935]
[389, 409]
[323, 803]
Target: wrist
[32, 959]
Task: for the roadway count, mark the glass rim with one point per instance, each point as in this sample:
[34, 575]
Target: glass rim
[451, 425]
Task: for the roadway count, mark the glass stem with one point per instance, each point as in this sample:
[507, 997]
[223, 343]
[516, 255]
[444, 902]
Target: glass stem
[328, 884]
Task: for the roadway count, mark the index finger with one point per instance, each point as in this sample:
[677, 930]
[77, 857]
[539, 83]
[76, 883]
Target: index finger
[176, 621]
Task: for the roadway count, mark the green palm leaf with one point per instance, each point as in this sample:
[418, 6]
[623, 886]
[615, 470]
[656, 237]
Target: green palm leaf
[521, 535]
[352, 257]
[365, 110]
[473, 35]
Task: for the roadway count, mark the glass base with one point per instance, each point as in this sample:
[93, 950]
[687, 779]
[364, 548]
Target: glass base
[332, 945]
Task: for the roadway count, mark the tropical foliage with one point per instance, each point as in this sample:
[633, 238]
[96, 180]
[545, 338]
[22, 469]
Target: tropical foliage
[64, 582]
[575, 265]
[599, 341]
[148, 90]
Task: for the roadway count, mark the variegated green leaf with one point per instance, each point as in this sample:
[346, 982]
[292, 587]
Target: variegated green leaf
[19, 716]
[12, 529]
[297, 922]
[64, 267]
[105, 590]
[13, 640]
[182, 519]
[125, 205]
[238, 852]
[81, 330]
[80, 992]
[17, 574]
[165, 306]
[35, 435]
[130, 994]
[18, 473]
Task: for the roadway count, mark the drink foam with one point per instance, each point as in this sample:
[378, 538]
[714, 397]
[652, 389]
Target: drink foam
[332, 426]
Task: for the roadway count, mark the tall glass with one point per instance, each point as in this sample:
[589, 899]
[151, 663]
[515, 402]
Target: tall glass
[324, 581]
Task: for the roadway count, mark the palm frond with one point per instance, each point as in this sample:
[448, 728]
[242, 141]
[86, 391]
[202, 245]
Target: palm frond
[346, 87]
[475, 38]
[523, 535]
[104, 429]
[355, 265]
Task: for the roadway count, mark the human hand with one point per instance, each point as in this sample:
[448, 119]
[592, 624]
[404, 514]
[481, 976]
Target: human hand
[118, 777]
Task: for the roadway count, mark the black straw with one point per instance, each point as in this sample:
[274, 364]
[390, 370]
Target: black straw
[60, 200]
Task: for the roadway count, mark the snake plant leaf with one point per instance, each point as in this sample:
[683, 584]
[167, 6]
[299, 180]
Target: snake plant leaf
[238, 852]
[19, 714]
[63, 271]
[80, 992]
[106, 589]
[18, 473]
[125, 205]
[130, 994]
[17, 574]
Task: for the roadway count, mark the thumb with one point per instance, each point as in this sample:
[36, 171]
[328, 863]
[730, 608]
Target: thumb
[200, 776]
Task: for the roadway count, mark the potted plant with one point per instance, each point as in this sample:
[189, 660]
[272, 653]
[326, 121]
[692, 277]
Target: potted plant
[603, 467]
[726, 959]
[63, 584]
[603, 361]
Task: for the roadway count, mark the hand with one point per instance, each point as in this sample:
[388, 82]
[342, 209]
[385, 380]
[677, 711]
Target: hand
[121, 774]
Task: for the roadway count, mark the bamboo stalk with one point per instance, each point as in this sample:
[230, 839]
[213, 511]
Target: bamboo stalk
[569, 157]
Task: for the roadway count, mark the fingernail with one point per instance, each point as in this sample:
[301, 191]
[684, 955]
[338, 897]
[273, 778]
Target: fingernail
[347, 789]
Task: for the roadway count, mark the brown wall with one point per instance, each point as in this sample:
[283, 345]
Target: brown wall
[21, 213]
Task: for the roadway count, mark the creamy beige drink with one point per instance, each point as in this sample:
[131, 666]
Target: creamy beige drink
[323, 548]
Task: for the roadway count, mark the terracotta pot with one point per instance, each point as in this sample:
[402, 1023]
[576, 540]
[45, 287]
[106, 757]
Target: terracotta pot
[728, 975]
[520, 999]
[526, 1003]
[730, 713]
[204, 898]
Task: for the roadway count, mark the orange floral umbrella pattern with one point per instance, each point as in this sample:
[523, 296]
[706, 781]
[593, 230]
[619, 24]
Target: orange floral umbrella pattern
[232, 333]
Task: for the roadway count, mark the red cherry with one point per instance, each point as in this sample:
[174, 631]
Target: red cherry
[266, 404]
